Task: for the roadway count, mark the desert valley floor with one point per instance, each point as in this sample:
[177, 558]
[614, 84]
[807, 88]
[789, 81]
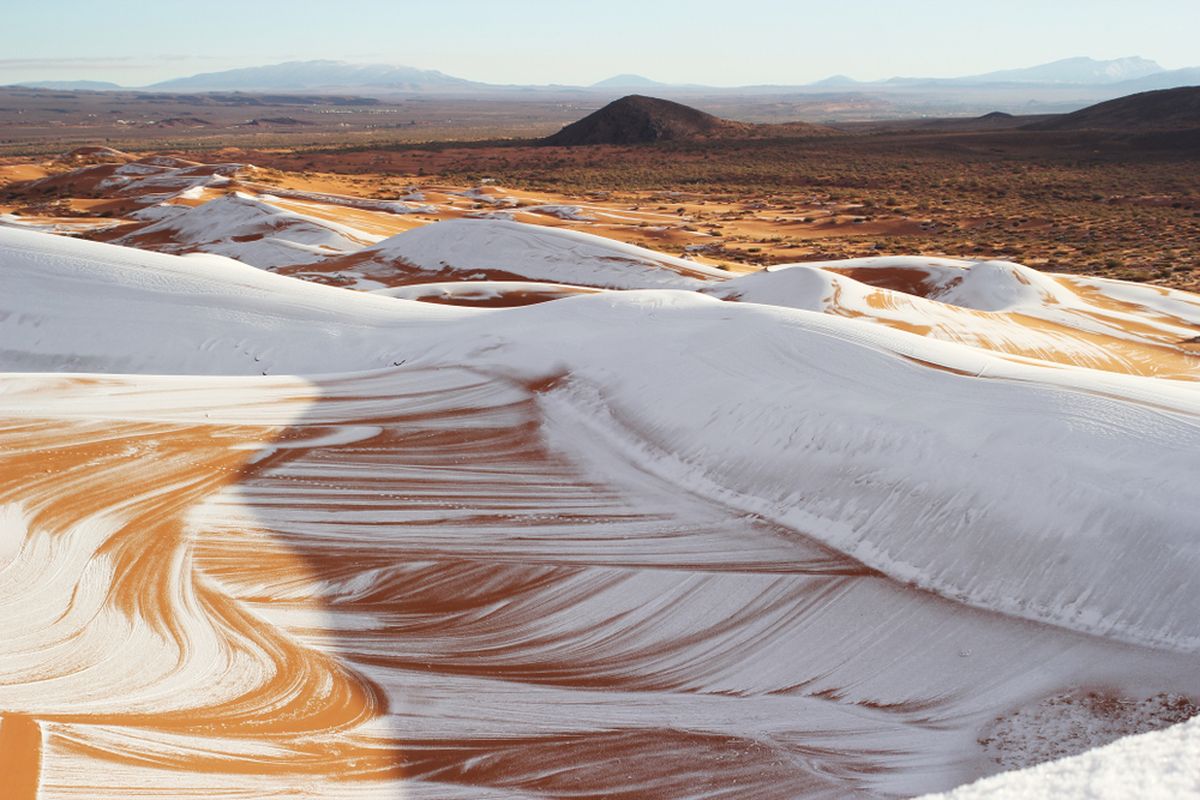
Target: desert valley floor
[460, 494]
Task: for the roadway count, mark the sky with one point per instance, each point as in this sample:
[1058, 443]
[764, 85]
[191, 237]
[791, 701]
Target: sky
[725, 43]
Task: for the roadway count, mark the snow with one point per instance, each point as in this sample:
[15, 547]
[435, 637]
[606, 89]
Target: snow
[60, 225]
[249, 229]
[408, 208]
[979, 285]
[1162, 765]
[478, 290]
[1003, 286]
[801, 287]
[1155, 299]
[539, 254]
[138, 169]
[1075, 721]
[738, 499]
[142, 179]
[1015, 493]
[13, 525]
[562, 212]
[489, 196]
[401, 206]
[998, 306]
[224, 317]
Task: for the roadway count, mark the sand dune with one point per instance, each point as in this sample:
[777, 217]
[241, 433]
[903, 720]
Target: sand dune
[998, 306]
[250, 229]
[491, 249]
[548, 515]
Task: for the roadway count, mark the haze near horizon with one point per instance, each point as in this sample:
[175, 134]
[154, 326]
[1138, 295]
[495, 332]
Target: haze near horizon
[786, 43]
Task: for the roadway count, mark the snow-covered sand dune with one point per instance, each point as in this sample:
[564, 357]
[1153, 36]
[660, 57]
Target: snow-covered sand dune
[248, 228]
[262, 537]
[996, 305]
[496, 249]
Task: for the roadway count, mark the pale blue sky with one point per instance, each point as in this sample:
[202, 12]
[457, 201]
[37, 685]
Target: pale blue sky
[567, 41]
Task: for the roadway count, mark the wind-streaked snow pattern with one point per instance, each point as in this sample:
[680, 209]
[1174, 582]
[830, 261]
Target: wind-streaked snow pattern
[594, 522]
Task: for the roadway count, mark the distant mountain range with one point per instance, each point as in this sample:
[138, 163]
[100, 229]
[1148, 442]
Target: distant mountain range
[72, 86]
[1131, 74]
[306, 75]
[1126, 75]
[1081, 71]
[627, 81]
[1074, 70]
[1057, 87]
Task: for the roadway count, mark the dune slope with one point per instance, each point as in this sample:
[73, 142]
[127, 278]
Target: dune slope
[804, 538]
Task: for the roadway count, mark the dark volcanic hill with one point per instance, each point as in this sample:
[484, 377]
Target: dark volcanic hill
[636, 119]
[1166, 109]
